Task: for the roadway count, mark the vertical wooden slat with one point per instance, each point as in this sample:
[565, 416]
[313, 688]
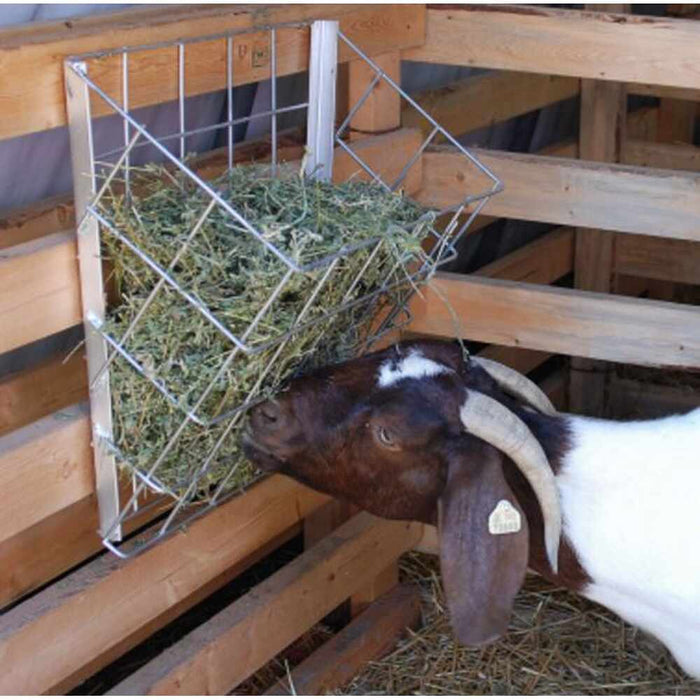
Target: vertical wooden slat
[382, 109]
[603, 118]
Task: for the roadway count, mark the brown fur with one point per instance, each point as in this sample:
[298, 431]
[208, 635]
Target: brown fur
[326, 431]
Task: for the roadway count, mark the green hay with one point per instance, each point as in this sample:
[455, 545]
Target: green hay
[233, 275]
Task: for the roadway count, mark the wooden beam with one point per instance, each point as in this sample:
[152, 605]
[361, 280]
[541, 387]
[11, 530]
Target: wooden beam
[27, 396]
[487, 99]
[233, 644]
[657, 258]
[671, 156]
[572, 322]
[677, 93]
[57, 543]
[39, 290]
[569, 192]
[594, 45]
[523, 360]
[386, 154]
[44, 468]
[48, 549]
[542, 261]
[32, 59]
[108, 606]
[381, 111]
[633, 398]
[36, 220]
[369, 636]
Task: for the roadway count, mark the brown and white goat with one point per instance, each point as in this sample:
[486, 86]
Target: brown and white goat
[415, 432]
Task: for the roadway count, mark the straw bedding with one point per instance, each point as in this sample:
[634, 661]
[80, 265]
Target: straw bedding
[559, 644]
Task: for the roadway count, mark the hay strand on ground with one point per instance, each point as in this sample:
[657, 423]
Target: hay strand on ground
[558, 644]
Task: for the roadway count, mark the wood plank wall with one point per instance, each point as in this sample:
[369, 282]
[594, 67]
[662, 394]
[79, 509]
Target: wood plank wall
[653, 204]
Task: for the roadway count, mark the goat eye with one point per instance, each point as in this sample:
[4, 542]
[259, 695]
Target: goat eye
[385, 437]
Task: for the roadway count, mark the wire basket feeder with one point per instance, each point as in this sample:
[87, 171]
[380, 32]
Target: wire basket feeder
[100, 88]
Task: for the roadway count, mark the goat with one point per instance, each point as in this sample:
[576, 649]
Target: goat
[417, 432]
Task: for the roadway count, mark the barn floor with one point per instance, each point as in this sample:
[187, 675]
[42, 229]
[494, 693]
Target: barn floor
[559, 644]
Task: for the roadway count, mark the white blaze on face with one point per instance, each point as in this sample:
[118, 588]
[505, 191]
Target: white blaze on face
[414, 366]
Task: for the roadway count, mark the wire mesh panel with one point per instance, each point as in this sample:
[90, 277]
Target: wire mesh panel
[212, 305]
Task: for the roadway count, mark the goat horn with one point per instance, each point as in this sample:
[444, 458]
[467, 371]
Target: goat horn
[517, 384]
[494, 423]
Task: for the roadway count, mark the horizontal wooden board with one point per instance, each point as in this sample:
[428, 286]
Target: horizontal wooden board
[31, 63]
[60, 541]
[369, 636]
[523, 360]
[667, 91]
[225, 650]
[672, 156]
[599, 45]
[486, 99]
[636, 399]
[572, 322]
[49, 548]
[542, 261]
[24, 224]
[39, 289]
[44, 468]
[27, 396]
[59, 636]
[658, 258]
[387, 155]
[570, 192]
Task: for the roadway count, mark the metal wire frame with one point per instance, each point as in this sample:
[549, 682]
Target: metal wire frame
[136, 136]
[379, 75]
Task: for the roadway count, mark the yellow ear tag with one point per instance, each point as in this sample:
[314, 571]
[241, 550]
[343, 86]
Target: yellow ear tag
[504, 519]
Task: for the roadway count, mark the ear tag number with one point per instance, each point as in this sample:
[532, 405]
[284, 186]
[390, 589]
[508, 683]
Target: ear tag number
[504, 519]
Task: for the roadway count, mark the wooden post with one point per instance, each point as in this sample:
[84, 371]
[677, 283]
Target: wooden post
[603, 117]
[381, 111]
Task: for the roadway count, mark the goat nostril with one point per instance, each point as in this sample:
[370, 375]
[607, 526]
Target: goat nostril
[269, 412]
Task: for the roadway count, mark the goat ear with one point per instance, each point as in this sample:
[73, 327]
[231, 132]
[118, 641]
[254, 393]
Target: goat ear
[483, 545]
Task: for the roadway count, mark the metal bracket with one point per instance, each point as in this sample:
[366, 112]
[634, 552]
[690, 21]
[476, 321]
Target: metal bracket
[323, 69]
[92, 292]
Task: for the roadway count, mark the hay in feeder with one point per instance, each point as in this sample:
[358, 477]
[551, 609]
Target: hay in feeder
[558, 644]
[233, 275]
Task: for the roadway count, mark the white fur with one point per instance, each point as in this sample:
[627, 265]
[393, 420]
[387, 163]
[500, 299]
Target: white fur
[413, 366]
[630, 495]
